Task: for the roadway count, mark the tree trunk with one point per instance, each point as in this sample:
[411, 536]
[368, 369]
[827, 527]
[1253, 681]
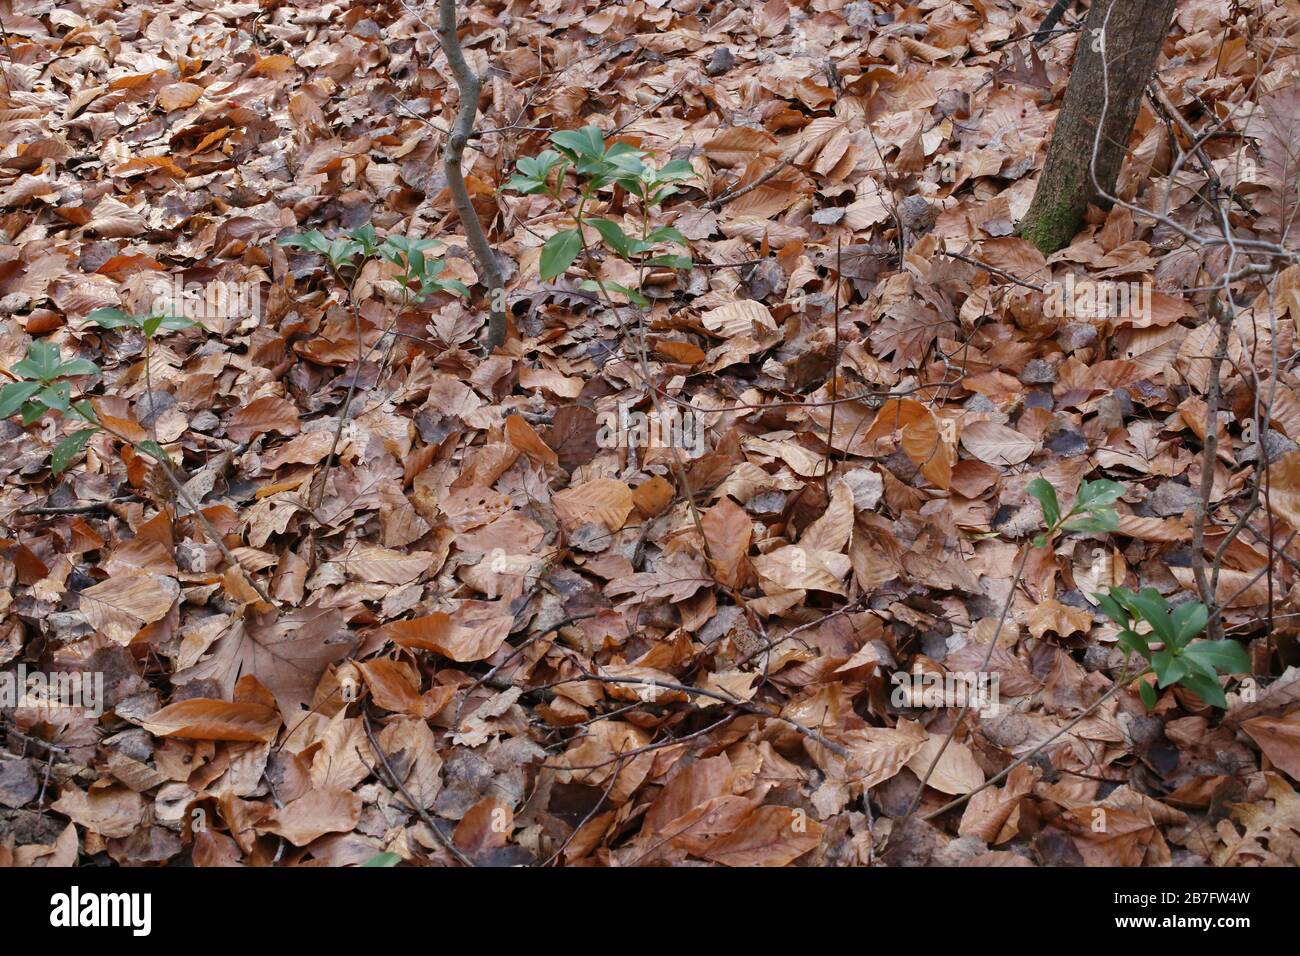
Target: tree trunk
[1129, 34]
[470, 85]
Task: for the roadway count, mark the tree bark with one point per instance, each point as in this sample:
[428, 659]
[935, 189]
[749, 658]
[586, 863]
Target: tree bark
[1129, 34]
[469, 84]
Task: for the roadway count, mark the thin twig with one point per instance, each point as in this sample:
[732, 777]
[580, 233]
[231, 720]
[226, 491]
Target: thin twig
[411, 802]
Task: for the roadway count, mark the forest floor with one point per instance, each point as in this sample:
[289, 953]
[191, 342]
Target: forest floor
[569, 616]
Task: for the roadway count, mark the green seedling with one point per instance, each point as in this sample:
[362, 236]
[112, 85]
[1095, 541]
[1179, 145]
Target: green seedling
[596, 168]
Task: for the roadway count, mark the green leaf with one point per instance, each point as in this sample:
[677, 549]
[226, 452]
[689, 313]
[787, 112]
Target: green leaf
[42, 362]
[559, 252]
[1148, 694]
[383, 859]
[1152, 608]
[676, 170]
[110, 318]
[633, 296]
[1042, 489]
[1112, 609]
[1188, 620]
[526, 185]
[1226, 655]
[1101, 521]
[68, 449]
[1134, 643]
[174, 323]
[14, 394]
[587, 142]
[85, 410]
[56, 396]
[1098, 494]
[313, 241]
[445, 285]
[78, 366]
[613, 235]
[1206, 688]
[1169, 668]
[32, 411]
[672, 262]
[1040, 541]
[343, 251]
[666, 234]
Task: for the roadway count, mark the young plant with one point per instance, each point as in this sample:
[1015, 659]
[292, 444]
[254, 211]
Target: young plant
[346, 256]
[43, 386]
[596, 168]
[1094, 508]
[1178, 661]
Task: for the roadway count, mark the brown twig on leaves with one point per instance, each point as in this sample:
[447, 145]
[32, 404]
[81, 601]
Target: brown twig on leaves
[746, 706]
[1209, 457]
[984, 666]
[729, 195]
[490, 675]
[998, 778]
[411, 802]
[469, 85]
[190, 503]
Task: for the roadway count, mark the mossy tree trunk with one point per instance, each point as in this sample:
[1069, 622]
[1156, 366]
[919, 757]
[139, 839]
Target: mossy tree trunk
[1129, 34]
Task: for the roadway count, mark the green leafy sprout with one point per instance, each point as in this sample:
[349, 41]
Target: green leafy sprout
[1178, 657]
[598, 167]
[1178, 660]
[418, 274]
[44, 383]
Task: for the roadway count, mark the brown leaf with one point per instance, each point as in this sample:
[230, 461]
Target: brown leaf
[270, 413]
[573, 436]
[119, 607]
[727, 529]
[996, 444]
[770, 836]
[438, 632]
[202, 719]
[605, 501]
[286, 652]
[520, 434]
[315, 813]
[1279, 738]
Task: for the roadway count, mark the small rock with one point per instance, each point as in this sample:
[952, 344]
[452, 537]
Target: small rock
[1068, 444]
[1275, 446]
[204, 421]
[197, 558]
[1038, 372]
[1039, 398]
[1173, 498]
[767, 503]
[721, 63]
[69, 626]
[867, 487]
[152, 404]
[917, 215]
[18, 783]
[1076, 335]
